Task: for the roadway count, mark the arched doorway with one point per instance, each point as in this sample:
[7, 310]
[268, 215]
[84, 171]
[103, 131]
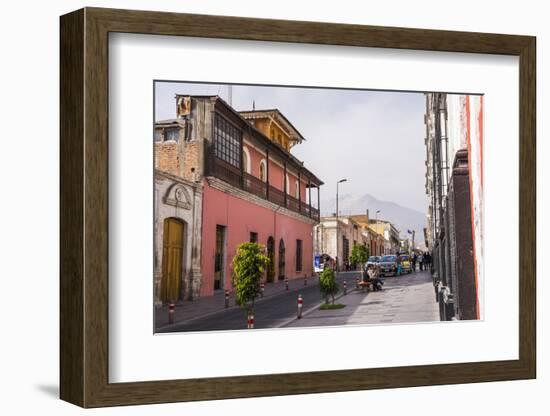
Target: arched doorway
[172, 259]
[270, 274]
[281, 259]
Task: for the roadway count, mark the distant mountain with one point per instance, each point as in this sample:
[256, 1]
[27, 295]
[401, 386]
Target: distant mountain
[403, 218]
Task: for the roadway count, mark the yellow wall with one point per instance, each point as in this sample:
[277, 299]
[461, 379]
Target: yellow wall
[378, 227]
[273, 131]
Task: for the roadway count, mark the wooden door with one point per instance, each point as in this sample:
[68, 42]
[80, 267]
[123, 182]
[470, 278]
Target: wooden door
[281, 259]
[219, 259]
[270, 275]
[172, 259]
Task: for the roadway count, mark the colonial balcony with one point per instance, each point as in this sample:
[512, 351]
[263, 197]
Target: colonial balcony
[249, 183]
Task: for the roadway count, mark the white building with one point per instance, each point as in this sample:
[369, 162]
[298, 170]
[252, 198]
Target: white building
[454, 142]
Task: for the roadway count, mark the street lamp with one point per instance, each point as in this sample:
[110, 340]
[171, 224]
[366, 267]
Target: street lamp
[337, 227]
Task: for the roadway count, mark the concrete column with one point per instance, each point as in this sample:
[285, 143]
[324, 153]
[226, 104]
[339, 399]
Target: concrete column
[195, 274]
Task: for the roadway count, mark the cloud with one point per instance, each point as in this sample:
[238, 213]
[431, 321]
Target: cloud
[374, 139]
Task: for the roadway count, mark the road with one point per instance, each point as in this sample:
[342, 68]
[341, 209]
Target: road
[270, 312]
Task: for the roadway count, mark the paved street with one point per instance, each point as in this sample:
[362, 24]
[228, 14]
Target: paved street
[274, 310]
[408, 298]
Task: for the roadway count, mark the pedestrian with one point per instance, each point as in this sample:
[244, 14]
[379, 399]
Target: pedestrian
[414, 258]
[398, 261]
[425, 260]
[421, 261]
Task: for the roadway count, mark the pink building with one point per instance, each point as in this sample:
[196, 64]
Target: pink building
[252, 187]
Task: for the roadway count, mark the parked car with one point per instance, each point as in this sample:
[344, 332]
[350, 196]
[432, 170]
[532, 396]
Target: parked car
[406, 266]
[388, 265]
[373, 260]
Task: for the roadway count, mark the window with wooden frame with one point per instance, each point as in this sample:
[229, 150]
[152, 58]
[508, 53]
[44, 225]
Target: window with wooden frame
[158, 135]
[171, 134]
[246, 161]
[263, 170]
[227, 141]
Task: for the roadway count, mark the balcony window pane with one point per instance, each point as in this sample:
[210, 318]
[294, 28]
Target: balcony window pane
[227, 139]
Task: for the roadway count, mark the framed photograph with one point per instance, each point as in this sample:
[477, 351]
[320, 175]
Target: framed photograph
[254, 207]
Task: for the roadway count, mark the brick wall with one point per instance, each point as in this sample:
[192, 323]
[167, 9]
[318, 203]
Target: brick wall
[180, 158]
[191, 160]
[167, 157]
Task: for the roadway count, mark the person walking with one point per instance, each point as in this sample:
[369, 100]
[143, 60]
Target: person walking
[398, 261]
[414, 258]
[421, 261]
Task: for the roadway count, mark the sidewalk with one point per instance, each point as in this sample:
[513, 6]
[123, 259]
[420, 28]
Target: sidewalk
[190, 310]
[404, 299]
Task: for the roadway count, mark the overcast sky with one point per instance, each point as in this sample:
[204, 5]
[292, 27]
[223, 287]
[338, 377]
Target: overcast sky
[375, 139]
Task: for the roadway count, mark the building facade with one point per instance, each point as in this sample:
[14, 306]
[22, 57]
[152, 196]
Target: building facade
[349, 234]
[454, 172]
[390, 233]
[375, 239]
[177, 233]
[252, 189]
[351, 230]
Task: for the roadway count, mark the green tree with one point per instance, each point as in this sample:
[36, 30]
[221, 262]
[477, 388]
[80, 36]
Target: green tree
[359, 255]
[327, 284]
[249, 265]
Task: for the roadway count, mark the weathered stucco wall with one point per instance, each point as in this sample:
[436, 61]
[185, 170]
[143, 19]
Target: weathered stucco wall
[241, 217]
[180, 199]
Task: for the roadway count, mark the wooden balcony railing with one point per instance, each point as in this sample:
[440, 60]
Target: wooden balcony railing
[305, 209]
[254, 185]
[293, 203]
[232, 175]
[225, 171]
[276, 196]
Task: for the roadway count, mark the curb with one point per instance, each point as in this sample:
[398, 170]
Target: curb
[308, 311]
[208, 314]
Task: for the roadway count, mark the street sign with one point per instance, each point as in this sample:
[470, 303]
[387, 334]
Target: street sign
[317, 266]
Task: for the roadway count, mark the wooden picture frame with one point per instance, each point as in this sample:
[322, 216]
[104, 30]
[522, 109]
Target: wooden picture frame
[84, 207]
